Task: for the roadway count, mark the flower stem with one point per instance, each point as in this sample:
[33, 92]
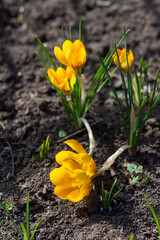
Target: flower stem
[82, 79]
[90, 135]
[107, 164]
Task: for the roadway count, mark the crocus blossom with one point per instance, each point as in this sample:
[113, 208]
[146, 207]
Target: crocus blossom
[73, 178]
[60, 78]
[122, 56]
[72, 54]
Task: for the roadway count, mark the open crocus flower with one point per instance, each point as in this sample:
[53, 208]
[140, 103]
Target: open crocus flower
[60, 78]
[122, 56]
[73, 178]
[72, 54]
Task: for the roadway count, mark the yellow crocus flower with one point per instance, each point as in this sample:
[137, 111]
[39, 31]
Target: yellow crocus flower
[122, 56]
[60, 78]
[72, 54]
[73, 178]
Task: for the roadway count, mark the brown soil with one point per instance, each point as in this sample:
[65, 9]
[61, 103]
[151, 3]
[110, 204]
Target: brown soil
[30, 110]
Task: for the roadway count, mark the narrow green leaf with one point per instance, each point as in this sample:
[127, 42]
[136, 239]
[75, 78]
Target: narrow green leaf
[27, 216]
[13, 222]
[8, 230]
[46, 67]
[123, 83]
[114, 90]
[46, 53]
[154, 215]
[128, 73]
[145, 119]
[102, 191]
[70, 34]
[33, 233]
[110, 192]
[131, 236]
[154, 89]
[24, 231]
[64, 34]
[134, 139]
[80, 31]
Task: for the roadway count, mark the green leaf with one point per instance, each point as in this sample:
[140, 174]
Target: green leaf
[24, 231]
[27, 216]
[33, 233]
[154, 215]
[32, 159]
[80, 31]
[13, 235]
[46, 53]
[131, 167]
[139, 169]
[131, 236]
[62, 133]
[145, 180]
[135, 180]
[64, 34]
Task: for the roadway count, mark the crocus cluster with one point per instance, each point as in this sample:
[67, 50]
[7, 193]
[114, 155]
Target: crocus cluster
[72, 55]
[73, 179]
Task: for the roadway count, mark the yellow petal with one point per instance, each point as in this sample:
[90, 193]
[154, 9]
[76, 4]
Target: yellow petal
[58, 175]
[70, 71]
[51, 74]
[115, 56]
[54, 77]
[75, 195]
[67, 45]
[75, 145]
[59, 54]
[70, 56]
[88, 164]
[79, 44]
[71, 165]
[84, 186]
[62, 192]
[61, 73]
[65, 155]
[130, 57]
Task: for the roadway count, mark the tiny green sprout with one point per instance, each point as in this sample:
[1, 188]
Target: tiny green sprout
[145, 180]
[154, 215]
[131, 236]
[44, 149]
[107, 199]
[138, 170]
[8, 205]
[23, 234]
[135, 180]
[32, 159]
[62, 133]
[131, 167]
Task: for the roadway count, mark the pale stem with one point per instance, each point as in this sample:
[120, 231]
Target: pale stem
[69, 101]
[90, 135]
[132, 120]
[82, 79]
[111, 160]
[135, 89]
